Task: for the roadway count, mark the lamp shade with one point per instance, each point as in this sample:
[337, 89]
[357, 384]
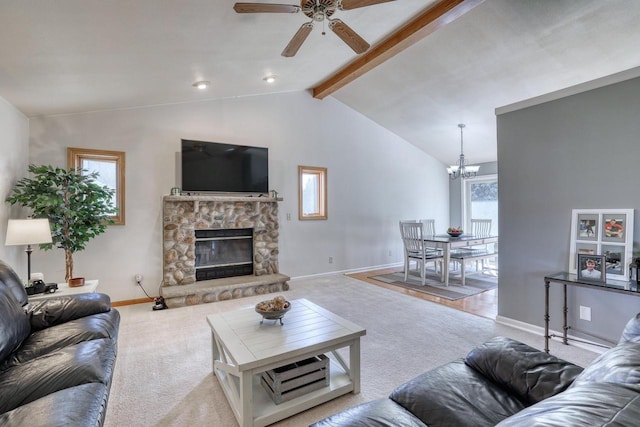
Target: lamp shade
[28, 231]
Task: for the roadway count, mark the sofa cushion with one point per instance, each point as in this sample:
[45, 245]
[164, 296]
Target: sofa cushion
[456, 395]
[79, 406]
[594, 404]
[377, 413]
[631, 330]
[10, 279]
[87, 362]
[529, 374]
[14, 323]
[102, 325]
[620, 364]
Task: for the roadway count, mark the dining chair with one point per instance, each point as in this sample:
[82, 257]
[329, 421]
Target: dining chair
[415, 250]
[477, 253]
[481, 227]
[429, 229]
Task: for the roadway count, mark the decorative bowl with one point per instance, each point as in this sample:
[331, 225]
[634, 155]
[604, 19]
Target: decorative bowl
[454, 233]
[272, 314]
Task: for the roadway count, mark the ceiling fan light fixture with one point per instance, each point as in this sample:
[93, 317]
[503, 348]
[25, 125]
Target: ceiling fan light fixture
[318, 11]
[202, 84]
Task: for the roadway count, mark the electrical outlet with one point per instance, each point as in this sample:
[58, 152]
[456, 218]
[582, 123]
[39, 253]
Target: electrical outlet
[330, 260]
[585, 313]
[288, 217]
[138, 279]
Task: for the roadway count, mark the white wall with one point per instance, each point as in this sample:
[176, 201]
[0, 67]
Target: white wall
[14, 146]
[375, 179]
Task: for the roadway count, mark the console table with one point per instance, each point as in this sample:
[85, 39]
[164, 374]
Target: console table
[568, 279]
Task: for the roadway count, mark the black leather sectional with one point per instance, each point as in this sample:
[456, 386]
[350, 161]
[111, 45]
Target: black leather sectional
[506, 383]
[56, 356]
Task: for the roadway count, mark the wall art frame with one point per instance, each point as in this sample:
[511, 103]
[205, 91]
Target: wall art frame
[606, 232]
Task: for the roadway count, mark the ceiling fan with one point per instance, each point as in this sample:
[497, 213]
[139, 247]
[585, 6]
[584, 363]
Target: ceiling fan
[318, 11]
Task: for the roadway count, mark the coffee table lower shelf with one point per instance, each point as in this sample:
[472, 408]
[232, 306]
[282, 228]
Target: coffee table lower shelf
[266, 412]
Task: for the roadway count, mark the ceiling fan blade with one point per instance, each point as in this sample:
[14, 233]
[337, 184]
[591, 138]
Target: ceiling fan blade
[297, 40]
[354, 4]
[350, 37]
[265, 8]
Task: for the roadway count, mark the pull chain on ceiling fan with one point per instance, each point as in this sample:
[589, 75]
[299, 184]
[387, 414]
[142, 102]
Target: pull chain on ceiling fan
[318, 11]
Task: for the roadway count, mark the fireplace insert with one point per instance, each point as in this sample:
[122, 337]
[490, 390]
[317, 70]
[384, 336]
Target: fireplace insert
[223, 253]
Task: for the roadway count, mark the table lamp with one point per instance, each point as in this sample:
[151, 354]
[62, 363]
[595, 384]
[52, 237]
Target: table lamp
[28, 232]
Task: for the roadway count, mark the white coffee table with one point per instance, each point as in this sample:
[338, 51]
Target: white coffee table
[243, 348]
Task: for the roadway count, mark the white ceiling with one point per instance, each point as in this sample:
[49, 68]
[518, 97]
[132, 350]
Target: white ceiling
[70, 56]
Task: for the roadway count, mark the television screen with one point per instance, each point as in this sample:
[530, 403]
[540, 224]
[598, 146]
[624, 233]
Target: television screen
[213, 166]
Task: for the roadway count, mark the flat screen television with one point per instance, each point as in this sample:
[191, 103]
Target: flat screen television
[228, 168]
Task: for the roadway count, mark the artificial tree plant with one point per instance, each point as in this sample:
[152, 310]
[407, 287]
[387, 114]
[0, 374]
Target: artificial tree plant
[78, 208]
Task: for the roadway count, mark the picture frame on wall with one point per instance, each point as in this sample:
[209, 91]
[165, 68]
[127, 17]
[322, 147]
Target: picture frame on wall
[604, 232]
[592, 268]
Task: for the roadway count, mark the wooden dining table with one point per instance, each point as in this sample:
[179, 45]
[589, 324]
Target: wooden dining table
[447, 243]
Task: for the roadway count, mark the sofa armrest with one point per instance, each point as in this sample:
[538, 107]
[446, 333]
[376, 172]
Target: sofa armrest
[379, 413]
[54, 311]
[531, 375]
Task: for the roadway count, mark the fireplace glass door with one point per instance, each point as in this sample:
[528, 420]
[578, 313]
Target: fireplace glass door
[223, 253]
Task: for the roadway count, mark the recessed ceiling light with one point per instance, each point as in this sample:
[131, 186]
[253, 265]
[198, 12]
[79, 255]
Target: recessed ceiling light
[270, 79]
[201, 84]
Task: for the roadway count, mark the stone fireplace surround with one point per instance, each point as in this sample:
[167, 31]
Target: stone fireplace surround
[182, 215]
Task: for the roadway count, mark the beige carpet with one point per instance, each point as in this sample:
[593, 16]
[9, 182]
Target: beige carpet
[163, 370]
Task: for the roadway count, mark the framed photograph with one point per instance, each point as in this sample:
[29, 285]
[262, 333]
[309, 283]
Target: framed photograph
[614, 227]
[614, 254]
[586, 248]
[588, 227]
[607, 232]
[591, 268]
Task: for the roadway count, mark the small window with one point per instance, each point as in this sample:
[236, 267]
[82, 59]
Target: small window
[312, 197]
[110, 167]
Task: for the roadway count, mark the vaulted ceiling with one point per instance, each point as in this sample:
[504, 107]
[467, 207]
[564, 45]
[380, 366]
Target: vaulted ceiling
[70, 56]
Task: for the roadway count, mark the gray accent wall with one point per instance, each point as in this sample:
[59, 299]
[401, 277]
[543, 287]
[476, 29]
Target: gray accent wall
[578, 152]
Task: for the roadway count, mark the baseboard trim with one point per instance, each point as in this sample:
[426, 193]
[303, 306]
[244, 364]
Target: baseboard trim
[349, 271]
[131, 302]
[538, 330]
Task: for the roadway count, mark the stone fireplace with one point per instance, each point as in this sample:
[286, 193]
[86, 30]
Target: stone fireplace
[211, 244]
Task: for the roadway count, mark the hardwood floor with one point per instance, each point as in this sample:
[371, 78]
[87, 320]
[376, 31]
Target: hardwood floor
[484, 304]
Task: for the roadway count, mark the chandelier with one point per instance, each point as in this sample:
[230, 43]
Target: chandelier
[462, 170]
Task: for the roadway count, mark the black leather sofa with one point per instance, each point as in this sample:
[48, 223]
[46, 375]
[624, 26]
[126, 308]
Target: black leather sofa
[56, 356]
[506, 383]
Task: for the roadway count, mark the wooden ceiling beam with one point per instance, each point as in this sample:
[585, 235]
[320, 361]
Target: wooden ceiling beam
[437, 16]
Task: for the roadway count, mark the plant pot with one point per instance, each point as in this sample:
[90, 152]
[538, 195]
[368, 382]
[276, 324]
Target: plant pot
[74, 282]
